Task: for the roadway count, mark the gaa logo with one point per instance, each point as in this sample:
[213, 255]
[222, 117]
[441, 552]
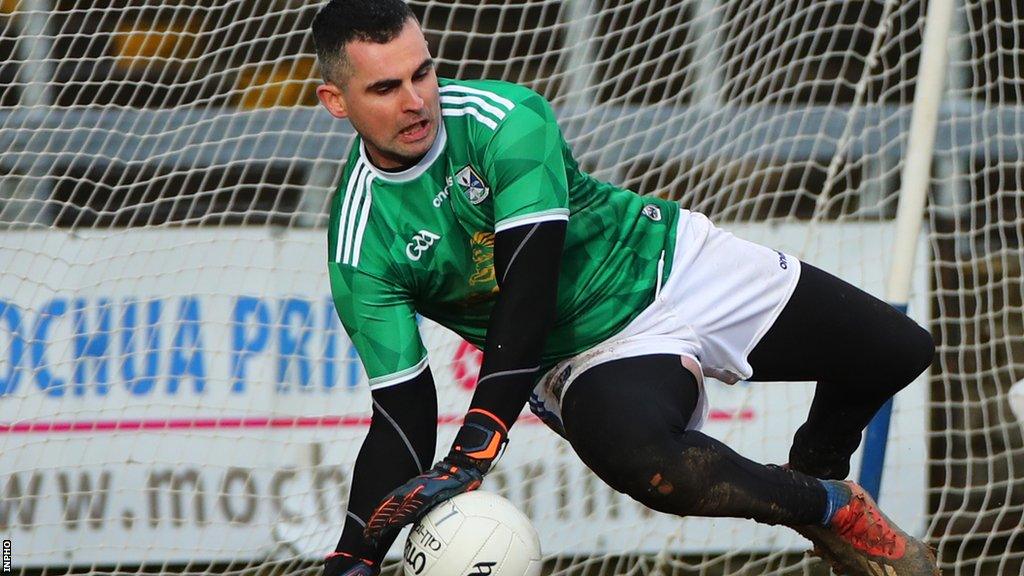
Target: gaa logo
[473, 185]
[423, 240]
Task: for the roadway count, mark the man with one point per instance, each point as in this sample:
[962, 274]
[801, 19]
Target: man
[461, 201]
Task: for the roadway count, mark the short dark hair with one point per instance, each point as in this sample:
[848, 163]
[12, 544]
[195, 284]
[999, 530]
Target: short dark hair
[342, 21]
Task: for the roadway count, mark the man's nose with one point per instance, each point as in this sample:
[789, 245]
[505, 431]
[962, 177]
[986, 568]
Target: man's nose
[412, 100]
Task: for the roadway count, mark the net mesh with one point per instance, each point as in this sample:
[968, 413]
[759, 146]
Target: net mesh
[176, 394]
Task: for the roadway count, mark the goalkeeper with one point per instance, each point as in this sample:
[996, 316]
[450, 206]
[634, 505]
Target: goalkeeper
[461, 201]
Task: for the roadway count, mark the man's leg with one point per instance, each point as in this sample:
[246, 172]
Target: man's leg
[860, 351]
[627, 421]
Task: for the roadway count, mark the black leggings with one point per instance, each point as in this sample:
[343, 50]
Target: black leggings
[626, 419]
[859, 350]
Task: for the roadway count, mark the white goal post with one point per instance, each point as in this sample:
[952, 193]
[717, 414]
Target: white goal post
[176, 392]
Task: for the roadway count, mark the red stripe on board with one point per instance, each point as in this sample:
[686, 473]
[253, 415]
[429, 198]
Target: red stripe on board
[744, 415]
[57, 426]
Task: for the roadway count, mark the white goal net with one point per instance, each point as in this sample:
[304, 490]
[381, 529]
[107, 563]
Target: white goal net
[177, 395]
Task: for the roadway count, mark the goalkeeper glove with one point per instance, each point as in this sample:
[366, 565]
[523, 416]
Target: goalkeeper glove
[343, 564]
[479, 443]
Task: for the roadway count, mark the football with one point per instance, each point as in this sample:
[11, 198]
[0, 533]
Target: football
[1017, 401]
[473, 534]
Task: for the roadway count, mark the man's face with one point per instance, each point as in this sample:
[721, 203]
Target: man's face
[390, 96]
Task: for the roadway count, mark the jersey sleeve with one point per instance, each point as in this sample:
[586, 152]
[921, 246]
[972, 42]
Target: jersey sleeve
[381, 322]
[525, 165]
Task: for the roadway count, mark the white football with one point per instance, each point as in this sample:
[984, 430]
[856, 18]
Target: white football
[473, 534]
[1017, 401]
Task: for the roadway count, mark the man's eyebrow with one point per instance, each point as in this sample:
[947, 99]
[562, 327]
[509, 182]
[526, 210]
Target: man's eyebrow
[382, 84]
[392, 82]
[427, 64]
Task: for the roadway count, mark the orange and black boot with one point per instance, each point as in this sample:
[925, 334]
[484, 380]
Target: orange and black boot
[862, 541]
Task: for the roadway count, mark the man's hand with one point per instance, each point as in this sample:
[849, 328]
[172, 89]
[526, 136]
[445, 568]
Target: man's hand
[410, 501]
[342, 564]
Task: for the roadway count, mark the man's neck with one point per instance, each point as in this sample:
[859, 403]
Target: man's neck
[399, 168]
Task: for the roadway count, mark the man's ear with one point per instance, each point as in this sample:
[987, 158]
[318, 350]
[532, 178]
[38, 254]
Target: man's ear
[332, 98]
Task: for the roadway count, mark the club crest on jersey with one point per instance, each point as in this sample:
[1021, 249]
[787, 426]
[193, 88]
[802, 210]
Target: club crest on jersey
[473, 185]
[652, 212]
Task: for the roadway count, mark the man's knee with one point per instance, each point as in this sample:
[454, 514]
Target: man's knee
[912, 356]
[923, 354]
[665, 478]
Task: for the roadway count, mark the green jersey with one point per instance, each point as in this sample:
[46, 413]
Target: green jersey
[422, 240]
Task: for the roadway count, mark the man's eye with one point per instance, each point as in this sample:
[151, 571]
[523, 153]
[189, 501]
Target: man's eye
[383, 90]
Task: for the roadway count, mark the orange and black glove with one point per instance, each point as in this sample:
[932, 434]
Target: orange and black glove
[477, 446]
[343, 564]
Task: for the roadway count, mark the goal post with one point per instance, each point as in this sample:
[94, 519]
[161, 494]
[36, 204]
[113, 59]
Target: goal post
[915, 177]
[177, 395]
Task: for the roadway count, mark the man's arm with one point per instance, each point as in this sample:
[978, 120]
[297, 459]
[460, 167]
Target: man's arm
[527, 261]
[525, 163]
[379, 318]
[399, 445]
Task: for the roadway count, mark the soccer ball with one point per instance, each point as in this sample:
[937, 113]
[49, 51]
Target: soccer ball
[473, 534]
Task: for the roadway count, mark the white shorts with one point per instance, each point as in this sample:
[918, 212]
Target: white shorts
[721, 296]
